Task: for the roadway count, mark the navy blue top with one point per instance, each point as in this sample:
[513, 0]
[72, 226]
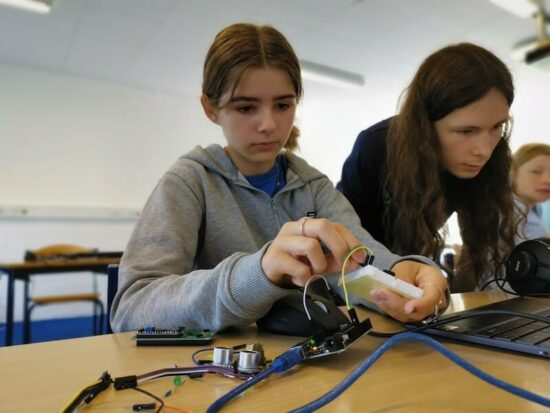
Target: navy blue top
[363, 176]
[271, 182]
[363, 183]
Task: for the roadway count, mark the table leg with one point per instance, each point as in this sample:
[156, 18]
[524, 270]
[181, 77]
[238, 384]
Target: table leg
[9, 308]
[26, 314]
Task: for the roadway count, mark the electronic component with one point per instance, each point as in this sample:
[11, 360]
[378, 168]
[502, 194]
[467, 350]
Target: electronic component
[249, 360]
[181, 336]
[362, 281]
[325, 344]
[222, 356]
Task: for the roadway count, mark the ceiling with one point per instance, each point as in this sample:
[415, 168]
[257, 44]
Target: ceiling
[160, 45]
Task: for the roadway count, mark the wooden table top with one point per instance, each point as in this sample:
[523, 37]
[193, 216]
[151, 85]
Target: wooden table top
[408, 378]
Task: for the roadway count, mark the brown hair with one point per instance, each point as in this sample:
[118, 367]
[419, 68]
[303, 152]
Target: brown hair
[451, 78]
[242, 46]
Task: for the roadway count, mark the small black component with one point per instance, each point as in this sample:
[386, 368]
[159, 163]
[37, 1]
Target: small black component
[353, 316]
[144, 406]
[369, 260]
[181, 336]
[125, 382]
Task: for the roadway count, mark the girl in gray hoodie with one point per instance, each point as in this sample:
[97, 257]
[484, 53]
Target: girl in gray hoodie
[223, 235]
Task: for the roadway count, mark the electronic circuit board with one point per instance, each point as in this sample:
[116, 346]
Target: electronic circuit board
[181, 336]
[324, 344]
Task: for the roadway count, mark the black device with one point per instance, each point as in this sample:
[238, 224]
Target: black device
[287, 316]
[501, 331]
[528, 267]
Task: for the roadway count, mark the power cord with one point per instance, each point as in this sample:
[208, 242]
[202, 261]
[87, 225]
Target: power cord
[282, 363]
[369, 361]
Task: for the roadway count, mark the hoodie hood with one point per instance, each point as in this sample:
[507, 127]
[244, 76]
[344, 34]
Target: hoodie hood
[213, 157]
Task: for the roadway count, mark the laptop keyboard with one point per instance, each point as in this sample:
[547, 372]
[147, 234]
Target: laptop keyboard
[520, 330]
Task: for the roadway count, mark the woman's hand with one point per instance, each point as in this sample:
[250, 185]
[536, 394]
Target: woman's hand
[424, 276]
[296, 253]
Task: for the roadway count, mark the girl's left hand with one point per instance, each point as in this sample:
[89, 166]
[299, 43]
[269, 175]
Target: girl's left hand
[424, 276]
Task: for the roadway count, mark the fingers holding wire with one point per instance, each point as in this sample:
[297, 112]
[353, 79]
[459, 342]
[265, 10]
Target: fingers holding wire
[293, 257]
[306, 247]
[336, 238]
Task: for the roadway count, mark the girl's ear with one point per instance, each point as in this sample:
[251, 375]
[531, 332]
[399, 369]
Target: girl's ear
[209, 111]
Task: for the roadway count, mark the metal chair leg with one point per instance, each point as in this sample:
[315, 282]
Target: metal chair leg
[27, 324]
[99, 313]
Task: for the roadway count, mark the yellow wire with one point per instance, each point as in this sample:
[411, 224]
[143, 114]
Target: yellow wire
[79, 394]
[346, 259]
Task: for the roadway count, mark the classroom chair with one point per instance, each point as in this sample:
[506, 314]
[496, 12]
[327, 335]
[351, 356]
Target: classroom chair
[62, 251]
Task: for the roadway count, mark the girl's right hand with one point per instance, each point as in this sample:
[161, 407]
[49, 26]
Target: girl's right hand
[296, 253]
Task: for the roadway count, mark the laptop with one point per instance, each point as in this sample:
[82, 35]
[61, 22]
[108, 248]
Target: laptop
[505, 332]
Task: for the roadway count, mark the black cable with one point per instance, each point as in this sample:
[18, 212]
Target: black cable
[161, 402]
[500, 282]
[495, 279]
[381, 334]
[200, 362]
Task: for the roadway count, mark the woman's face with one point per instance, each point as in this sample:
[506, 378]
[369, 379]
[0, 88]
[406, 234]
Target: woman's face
[532, 181]
[257, 119]
[468, 135]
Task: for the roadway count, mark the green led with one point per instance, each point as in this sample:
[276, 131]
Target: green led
[312, 342]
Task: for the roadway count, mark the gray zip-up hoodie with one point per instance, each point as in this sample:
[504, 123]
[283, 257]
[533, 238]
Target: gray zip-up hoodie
[194, 257]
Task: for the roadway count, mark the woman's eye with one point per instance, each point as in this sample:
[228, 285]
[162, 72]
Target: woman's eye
[465, 131]
[245, 109]
[283, 106]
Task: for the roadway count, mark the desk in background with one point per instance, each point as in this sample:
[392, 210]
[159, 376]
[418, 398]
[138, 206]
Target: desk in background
[409, 378]
[24, 270]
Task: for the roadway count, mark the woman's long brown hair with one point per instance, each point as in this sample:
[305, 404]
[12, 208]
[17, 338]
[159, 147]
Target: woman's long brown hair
[451, 78]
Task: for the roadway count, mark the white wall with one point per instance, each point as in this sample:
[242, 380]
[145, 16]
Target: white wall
[531, 108]
[74, 142]
[69, 143]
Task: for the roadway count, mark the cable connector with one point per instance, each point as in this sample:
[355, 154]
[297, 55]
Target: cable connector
[369, 260]
[125, 382]
[287, 360]
[353, 316]
[144, 406]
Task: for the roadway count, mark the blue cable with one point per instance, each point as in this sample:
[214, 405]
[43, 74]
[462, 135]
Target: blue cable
[280, 364]
[344, 384]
